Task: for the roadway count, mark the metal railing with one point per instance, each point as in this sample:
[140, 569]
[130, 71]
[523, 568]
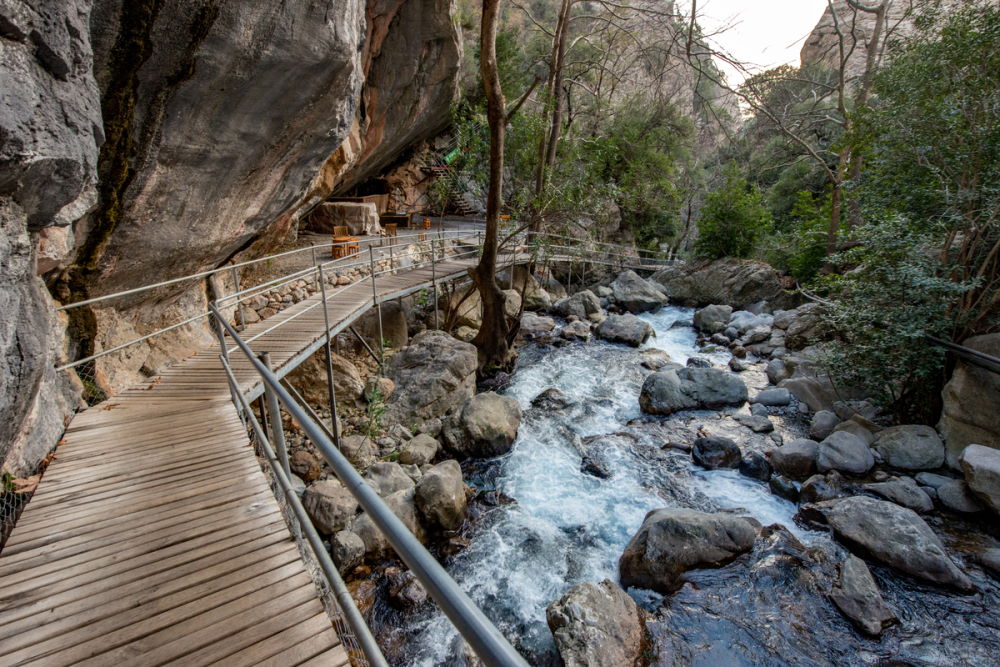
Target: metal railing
[484, 638]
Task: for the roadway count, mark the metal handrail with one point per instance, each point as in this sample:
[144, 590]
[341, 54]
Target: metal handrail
[352, 616]
[484, 638]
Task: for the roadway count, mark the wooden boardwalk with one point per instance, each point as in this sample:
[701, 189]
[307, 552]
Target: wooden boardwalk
[154, 538]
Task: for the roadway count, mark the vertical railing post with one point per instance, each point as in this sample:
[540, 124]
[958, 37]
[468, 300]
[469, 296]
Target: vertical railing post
[334, 418]
[378, 306]
[239, 302]
[274, 417]
[437, 324]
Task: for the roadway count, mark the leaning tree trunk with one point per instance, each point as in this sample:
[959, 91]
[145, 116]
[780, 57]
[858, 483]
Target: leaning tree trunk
[495, 337]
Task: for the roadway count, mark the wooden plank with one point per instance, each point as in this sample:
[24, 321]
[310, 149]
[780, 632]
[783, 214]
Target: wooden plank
[335, 657]
[303, 641]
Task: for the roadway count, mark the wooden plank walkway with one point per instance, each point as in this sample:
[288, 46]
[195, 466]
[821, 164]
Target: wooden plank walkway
[154, 538]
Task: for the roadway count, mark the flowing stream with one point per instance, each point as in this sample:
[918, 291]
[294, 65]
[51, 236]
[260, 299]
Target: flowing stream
[566, 526]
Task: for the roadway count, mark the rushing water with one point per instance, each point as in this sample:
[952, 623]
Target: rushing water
[566, 527]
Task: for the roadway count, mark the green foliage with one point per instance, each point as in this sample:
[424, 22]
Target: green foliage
[881, 311]
[798, 247]
[732, 220]
[374, 411]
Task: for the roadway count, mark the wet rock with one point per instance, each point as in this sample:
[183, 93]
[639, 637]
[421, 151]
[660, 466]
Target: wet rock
[956, 496]
[891, 534]
[330, 505]
[534, 323]
[434, 374]
[785, 488]
[635, 294]
[359, 450]
[796, 459]
[672, 541]
[306, 464]
[593, 467]
[405, 590]
[737, 366]
[856, 429]
[387, 477]
[859, 598]
[776, 371]
[756, 423]
[581, 305]
[759, 410]
[484, 427]
[669, 391]
[698, 362]
[773, 397]
[845, 453]
[755, 466]
[931, 479]
[712, 319]
[550, 400]
[347, 550]
[578, 330]
[720, 340]
[713, 453]
[981, 466]
[822, 425]
[419, 451]
[626, 329]
[403, 506]
[902, 491]
[821, 487]
[990, 559]
[440, 496]
[654, 359]
[910, 447]
[598, 624]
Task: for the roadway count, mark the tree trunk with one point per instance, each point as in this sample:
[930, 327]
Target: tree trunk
[496, 333]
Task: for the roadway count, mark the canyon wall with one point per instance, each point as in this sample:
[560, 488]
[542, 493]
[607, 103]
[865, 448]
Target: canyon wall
[142, 140]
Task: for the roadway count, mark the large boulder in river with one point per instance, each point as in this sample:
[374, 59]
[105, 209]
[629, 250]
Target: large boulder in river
[982, 473]
[972, 403]
[440, 496]
[635, 294]
[330, 505]
[712, 319]
[403, 505]
[598, 624]
[434, 374]
[910, 447]
[735, 282]
[858, 597]
[672, 541]
[891, 534]
[627, 329]
[795, 459]
[715, 453]
[485, 426]
[582, 304]
[844, 452]
[669, 391]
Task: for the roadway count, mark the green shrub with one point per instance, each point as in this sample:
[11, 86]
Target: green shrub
[733, 219]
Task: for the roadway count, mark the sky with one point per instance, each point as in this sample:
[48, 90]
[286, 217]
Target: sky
[765, 33]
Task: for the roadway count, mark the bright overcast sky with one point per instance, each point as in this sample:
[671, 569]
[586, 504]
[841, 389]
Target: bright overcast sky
[764, 33]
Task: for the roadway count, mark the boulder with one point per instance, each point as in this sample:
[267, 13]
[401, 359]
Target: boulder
[858, 597]
[485, 426]
[635, 294]
[822, 425]
[821, 487]
[582, 304]
[712, 319]
[551, 400]
[956, 496]
[672, 541]
[330, 505]
[433, 375]
[856, 429]
[359, 450]
[745, 322]
[756, 423]
[419, 451]
[735, 282]
[306, 464]
[403, 506]
[796, 459]
[902, 491]
[347, 549]
[776, 371]
[806, 328]
[626, 329]
[981, 466]
[310, 379]
[405, 590]
[816, 392]
[932, 480]
[387, 478]
[715, 453]
[533, 323]
[578, 330]
[893, 535]
[598, 624]
[755, 466]
[972, 402]
[844, 452]
[669, 391]
[785, 488]
[773, 397]
[910, 448]
[654, 359]
[440, 496]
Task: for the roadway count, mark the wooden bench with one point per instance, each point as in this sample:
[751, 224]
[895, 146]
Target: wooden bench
[343, 243]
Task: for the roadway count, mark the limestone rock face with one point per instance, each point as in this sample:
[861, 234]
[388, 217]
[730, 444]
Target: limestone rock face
[433, 375]
[50, 131]
[672, 541]
[734, 282]
[597, 624]
[972, 403]
[359, 218]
